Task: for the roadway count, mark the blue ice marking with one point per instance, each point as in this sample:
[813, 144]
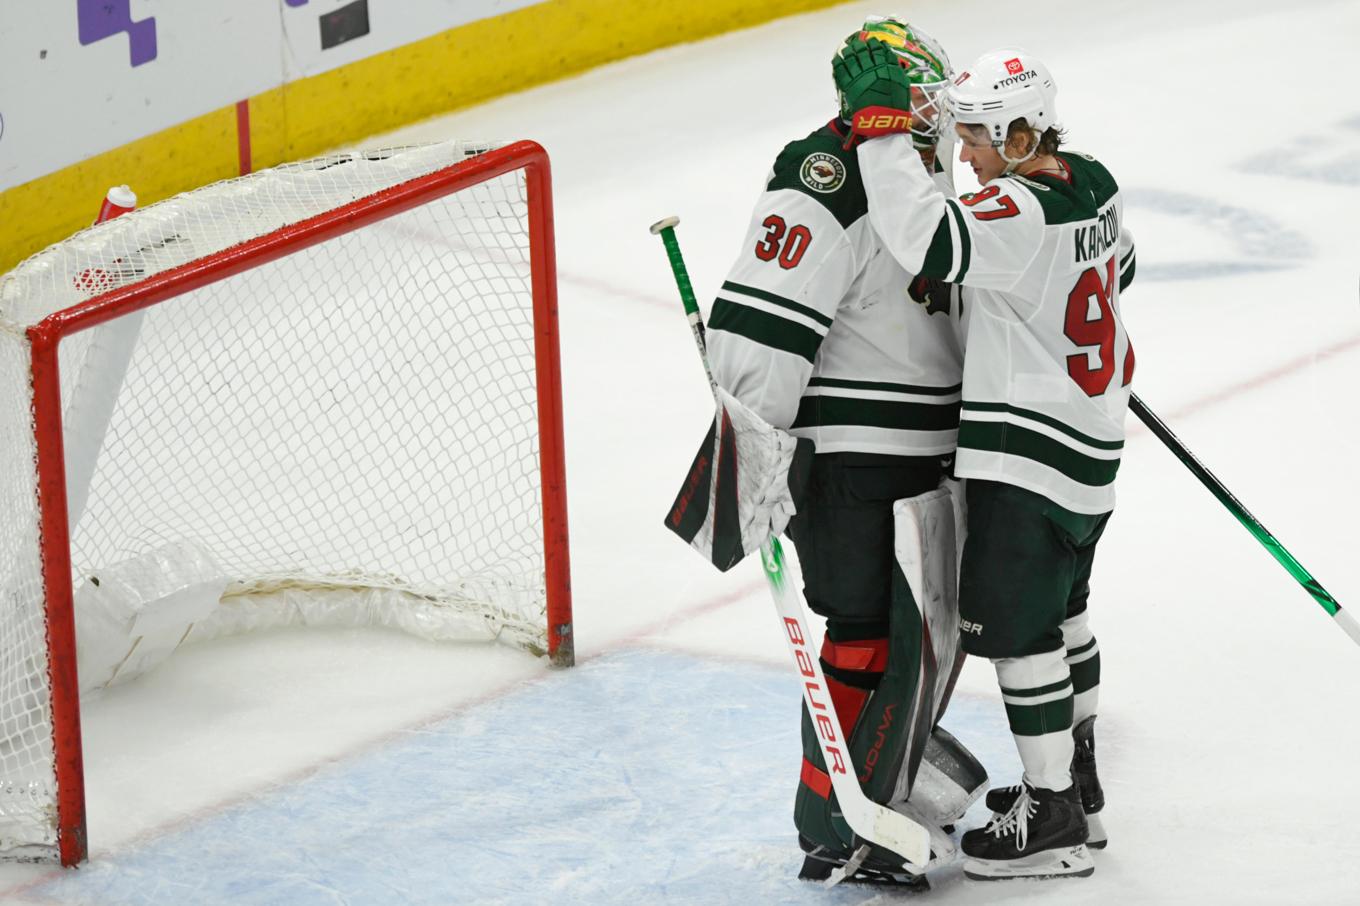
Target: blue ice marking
[1327, 157]
[1263, 243]
[642, 777]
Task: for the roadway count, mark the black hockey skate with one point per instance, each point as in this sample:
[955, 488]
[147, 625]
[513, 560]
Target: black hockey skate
[1084, 771]
[1042, 835]
[1088, 784]
[820, 862]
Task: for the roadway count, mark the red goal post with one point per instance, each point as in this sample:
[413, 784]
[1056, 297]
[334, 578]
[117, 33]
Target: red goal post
[50, 413]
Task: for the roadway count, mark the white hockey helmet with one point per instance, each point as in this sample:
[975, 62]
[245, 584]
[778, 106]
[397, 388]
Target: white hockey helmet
[1000, 87]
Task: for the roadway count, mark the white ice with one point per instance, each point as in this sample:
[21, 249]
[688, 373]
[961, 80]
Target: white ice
[365, 767]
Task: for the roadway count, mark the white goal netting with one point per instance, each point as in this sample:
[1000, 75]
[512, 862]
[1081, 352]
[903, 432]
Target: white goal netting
[346, 434]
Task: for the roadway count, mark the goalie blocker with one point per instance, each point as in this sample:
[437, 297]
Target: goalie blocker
[742, 487]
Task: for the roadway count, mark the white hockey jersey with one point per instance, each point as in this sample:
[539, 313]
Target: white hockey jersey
[1049, 364]
[821, 331]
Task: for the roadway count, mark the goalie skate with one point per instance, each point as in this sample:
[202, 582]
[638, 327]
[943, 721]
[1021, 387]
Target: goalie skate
[821, 865]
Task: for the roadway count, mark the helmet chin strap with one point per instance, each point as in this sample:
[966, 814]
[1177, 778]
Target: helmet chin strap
[1013, 162]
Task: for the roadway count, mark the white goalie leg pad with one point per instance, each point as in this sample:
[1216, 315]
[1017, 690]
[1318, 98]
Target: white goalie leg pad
[948, 782]
[957, 487]
[943, 850]
[927, 527]
[743, 486]
[925, 543]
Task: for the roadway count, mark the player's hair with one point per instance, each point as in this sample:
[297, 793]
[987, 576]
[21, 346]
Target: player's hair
[1049, 141]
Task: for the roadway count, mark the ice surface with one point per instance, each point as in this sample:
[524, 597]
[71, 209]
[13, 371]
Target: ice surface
[1227, 729]
[575, 813]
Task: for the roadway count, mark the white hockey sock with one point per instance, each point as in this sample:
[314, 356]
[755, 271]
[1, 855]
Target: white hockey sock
[1037, 690]
[1083, 661]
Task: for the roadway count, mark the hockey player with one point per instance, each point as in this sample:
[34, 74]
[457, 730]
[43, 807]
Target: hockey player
[1042, 255]
[822, 332]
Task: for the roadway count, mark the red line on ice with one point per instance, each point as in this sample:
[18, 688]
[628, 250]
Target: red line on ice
[1254, 382]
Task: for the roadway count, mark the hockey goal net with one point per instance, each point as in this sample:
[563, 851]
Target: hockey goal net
[323, 393]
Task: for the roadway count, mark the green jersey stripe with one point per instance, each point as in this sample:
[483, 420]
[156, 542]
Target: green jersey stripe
[772, 298]
[822, 410]
[1045, 420]
[965, 242]
[939, 258]
[765, 329]
[1085, 674]
[1040, 720]
[1126, 275]
[884, 386]
[1013, 440]
[1037, 690]
[1073, 652]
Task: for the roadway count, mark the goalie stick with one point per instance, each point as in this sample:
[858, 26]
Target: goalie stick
[1244, 516]
[868, 819]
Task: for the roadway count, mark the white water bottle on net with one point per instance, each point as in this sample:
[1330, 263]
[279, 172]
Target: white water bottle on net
[322, 394]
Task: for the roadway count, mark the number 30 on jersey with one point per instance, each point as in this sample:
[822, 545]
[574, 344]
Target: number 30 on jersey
[783, 242]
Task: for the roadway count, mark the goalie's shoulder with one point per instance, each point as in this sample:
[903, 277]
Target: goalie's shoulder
[819, 167]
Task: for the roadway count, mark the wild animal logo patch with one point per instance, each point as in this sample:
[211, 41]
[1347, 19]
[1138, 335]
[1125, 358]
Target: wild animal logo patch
[822, 172]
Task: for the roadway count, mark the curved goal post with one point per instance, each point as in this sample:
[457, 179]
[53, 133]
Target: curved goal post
[328, 393]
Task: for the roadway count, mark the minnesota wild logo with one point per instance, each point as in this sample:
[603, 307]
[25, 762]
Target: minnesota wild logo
[822, 172]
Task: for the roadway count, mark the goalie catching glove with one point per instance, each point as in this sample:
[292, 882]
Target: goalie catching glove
[743, 487]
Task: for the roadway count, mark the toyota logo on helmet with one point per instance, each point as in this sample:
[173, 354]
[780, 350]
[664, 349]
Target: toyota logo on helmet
[1002, 86]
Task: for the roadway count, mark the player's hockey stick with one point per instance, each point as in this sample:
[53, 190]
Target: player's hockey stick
[870, 820]
[1244, 516]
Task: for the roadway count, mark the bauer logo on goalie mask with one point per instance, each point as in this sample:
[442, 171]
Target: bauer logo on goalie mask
[822, 173]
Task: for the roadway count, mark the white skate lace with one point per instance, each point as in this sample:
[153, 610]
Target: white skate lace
[1016, 820]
